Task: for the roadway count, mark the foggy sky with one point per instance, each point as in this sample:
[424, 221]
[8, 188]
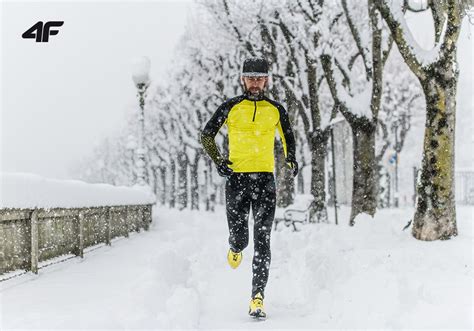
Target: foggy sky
[60, 98]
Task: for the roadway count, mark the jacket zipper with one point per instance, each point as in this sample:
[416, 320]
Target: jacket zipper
[254, 110]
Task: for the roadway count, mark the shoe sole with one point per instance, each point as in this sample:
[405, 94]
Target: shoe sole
[258, 314]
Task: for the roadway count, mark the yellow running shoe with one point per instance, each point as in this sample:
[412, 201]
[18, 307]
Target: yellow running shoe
[234, 259]
[256, 308]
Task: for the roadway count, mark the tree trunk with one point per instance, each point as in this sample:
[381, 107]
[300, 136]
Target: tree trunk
[435, 215]
[163, 188]
[285, 184]
[155, 180]
[210, 188]
[300, 180]
[364, 182]
[172, 194]
[182, 181]
[318, 211]
[194, 183]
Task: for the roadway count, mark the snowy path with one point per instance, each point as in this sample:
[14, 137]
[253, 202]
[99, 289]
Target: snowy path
[176, 276]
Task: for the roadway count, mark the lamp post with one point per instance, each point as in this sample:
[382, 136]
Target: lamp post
[141, 68]
[131, 147]
[333, 154]
[397, 197]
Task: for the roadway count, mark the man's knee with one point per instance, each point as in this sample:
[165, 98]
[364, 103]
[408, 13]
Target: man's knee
[263, 231]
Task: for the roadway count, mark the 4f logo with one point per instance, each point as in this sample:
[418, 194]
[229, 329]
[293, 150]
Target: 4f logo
[41, 32]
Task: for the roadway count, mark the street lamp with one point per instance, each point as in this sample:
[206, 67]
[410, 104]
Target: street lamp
[141, 69]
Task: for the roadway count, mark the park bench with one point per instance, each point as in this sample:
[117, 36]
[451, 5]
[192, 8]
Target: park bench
[297, 212]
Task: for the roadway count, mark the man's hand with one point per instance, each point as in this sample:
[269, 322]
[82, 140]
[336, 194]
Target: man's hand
[291, 161]
[223, 168]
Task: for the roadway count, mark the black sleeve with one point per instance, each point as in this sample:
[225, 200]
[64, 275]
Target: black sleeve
[213, 126]
[284, 126]
[288, 133]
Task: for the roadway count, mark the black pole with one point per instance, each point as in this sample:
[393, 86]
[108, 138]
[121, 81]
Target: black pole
[396, 170]
[334, 174]
[415, 179]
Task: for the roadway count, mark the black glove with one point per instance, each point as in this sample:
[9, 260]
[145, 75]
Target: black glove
[291, 161]
[223, 168]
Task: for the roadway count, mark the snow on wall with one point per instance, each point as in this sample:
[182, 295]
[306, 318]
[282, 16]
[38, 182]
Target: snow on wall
[23, 190]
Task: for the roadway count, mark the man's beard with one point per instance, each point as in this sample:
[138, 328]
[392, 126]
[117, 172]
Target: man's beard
[255, 90]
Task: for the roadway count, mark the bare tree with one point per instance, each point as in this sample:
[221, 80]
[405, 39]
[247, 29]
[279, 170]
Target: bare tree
[437, 71]
[359, 101]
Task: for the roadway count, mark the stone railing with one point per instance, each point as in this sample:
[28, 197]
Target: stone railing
[31, 236]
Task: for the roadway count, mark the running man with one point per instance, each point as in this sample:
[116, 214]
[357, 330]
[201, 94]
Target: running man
[252, 120]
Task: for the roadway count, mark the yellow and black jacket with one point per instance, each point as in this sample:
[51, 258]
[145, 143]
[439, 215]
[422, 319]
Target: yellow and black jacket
[251, 129]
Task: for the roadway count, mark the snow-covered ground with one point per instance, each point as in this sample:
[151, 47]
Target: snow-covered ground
[176, 276]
